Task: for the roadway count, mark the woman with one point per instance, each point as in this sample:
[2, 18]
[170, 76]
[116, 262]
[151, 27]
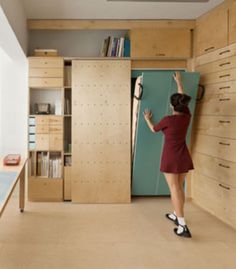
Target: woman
[176, 160]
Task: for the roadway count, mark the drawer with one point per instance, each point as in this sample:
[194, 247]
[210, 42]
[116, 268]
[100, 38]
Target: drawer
[55, 142]
[55, 129]
[46, 82]
[217, 77]
[220, 88]
[32, 146]
[45, 190]
[217, 198]
[216, 55]
[42, 129]
[221, 170]
[42, 141]
[32, 137]
[46, 72]
[67, 183]
[217, 147]
[31, 121]
[32, 129]
[55, 120]
[216, 126]
[223, 64]
[42, 62]
[218, 105]
[41, 120]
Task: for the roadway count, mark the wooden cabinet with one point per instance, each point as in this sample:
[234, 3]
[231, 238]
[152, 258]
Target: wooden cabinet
[211, 31]
[160, 43]
[232, 24]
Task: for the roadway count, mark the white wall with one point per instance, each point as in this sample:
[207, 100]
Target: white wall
[15, 13]
[13, 92]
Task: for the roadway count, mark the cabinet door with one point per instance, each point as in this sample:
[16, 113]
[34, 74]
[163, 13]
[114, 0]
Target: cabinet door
[232, 24]
[157, 88]
[169, 43]
[101, 148]
[211, 31]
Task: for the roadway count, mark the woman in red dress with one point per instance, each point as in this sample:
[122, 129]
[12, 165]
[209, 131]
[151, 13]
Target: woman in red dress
[176, 160]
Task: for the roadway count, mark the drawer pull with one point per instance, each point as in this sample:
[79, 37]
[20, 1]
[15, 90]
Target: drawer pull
[223, 76]
[224, 144]
[210, 48]
[222, 186]
[224, 121]
[224, 99]
[160, 54]
[224, 64]
[225, 51]
[222, 165]
[225, 87]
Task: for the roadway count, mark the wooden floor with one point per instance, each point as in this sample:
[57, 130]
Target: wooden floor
[135, 236]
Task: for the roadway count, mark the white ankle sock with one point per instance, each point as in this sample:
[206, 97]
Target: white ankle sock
[181, 221]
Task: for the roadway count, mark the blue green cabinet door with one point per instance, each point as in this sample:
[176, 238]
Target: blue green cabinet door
[157, 88]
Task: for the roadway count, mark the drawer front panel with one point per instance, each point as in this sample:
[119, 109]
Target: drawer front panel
[214, 146]
[42, 141]
[41, 120]
[42, 129]
[218, 105]
[46, 82]
[217, 77]
[55, 120]
[55, 142]
[220, 65]
[46, 62]
[216, 126]
[55, 129]
[221, 170]
[46, 72]
[220, 88]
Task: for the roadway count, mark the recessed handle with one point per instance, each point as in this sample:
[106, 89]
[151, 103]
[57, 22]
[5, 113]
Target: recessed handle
[224, 144]
[225, 87]
[224, 99]
[223, 76]
[225, 51]
[222, 186]
[224, 121]
[160, 54]
[224, 64]
[222, 165]
[210, 48]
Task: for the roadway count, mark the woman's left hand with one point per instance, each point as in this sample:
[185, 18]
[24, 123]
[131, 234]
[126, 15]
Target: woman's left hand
[147, 114]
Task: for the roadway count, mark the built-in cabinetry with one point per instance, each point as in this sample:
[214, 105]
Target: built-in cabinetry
[214, 146]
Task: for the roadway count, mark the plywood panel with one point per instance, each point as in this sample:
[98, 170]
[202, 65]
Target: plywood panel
[101, 131]
[140, 64]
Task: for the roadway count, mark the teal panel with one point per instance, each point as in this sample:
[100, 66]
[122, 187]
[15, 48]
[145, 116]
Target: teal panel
[158, 87]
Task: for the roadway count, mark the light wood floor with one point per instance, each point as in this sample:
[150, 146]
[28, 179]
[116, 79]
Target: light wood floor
[135, 236]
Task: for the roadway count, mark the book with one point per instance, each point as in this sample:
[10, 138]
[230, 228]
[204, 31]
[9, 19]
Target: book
[127, 47]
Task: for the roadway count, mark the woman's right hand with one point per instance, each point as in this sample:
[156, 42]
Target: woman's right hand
[147, 114]
[177, 76]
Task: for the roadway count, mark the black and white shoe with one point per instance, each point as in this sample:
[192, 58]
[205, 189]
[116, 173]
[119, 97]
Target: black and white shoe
[182, 231]
[172, 217]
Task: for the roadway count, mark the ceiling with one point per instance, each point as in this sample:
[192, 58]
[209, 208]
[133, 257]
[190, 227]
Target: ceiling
[103, 9]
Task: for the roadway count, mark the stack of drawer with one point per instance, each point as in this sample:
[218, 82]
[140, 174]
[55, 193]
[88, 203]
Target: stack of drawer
[214, 148]
[46, 72]
[49, 133]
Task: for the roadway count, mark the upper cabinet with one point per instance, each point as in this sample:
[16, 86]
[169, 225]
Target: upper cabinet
[160, 43]
[211, 31]
[232, 24]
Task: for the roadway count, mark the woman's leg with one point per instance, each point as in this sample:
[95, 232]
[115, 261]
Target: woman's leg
[176, 193]
[181, 185]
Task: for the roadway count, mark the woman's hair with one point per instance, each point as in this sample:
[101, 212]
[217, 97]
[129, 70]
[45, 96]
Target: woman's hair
[179, 101]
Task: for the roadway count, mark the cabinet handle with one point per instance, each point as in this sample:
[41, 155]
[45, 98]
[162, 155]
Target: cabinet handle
[223, 76]
[222, 186]
[225, 51]
[224, 121]
[225, 87]
[222, 165]
[224, 144]
[224, 64]
[224, 99]
[210, 48]
[160, 54]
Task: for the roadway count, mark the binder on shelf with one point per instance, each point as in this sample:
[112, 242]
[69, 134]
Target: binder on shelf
[127, 47]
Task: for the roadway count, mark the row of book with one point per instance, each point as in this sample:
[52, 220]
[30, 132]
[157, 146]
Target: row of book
[115, 47]
[51, 168]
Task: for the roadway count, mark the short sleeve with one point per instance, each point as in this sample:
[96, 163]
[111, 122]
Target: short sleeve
[187, 111]
[161, 125]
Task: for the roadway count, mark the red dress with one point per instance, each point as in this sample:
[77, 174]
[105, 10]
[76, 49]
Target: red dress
[175, 155]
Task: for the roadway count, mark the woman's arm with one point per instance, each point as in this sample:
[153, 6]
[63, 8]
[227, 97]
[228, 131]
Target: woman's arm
[177, 78]
[148, 116]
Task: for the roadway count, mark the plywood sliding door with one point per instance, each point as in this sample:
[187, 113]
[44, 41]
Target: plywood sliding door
[101, 159]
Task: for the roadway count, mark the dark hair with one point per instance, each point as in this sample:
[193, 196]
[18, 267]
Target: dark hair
[179, 101]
